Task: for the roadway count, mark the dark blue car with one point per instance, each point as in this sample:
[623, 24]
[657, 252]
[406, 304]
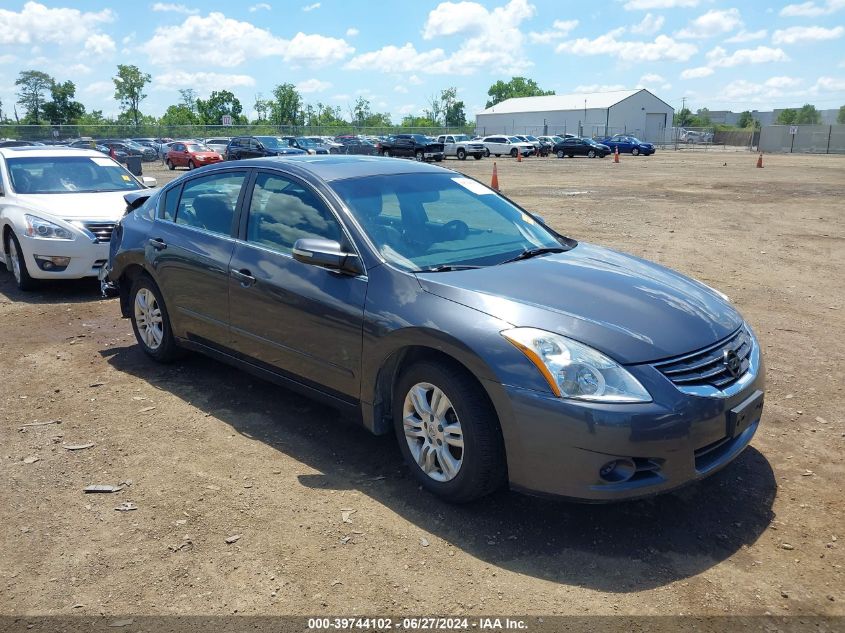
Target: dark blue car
[422, 303]
[628, 145]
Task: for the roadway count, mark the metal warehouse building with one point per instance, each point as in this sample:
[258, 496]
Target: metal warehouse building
[635, 112]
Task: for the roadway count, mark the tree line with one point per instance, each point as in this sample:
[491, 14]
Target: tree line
[805, 115]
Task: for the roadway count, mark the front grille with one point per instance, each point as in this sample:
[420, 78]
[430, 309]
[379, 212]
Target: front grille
[708, 367]
[102, 231]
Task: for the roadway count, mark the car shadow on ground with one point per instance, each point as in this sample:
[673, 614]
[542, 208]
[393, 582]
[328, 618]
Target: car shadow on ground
[618, 547]
[49, 292]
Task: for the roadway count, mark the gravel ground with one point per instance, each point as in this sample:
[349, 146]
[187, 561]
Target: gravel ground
[327, 517]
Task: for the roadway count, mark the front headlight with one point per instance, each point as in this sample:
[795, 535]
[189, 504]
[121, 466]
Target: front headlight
[38, 227]
[574, 370]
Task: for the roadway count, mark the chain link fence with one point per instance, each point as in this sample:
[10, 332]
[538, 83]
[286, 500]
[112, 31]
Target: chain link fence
[805, 139]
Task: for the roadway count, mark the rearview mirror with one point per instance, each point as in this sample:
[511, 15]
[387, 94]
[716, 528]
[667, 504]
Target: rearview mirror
[328, 253]
[149, 182]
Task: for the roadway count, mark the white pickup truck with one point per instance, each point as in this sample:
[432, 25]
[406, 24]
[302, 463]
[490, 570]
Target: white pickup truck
[461, 145]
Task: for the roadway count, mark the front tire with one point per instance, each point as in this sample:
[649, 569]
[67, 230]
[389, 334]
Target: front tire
[170, 165]
[591, 153]
[191, 165]
[151, 322]
[561, 154]
[419, 156]
[462, 155]
[635, 151]
[486, 153]
[514, 152]
[23, 281]
[448, 432]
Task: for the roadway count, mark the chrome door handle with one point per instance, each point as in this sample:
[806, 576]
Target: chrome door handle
[244, 276]
[157, 243]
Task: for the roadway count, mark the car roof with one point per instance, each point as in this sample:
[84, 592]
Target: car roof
[47, 151]
[330, 167]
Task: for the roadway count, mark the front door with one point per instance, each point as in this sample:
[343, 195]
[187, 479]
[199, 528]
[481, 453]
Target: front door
[301, 319]
[189, 251]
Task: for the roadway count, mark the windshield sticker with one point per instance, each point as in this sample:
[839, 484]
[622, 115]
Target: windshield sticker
[104, 162]
[473, 186]
[125, 177]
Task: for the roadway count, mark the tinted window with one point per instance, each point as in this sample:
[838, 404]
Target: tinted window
[209, 202]
[171, 202]
[282, 211]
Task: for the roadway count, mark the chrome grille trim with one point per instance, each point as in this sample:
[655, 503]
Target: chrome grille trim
[100, 231]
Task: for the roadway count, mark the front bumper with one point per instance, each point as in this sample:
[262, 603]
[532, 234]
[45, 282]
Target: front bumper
[86, 257]
[558, 447]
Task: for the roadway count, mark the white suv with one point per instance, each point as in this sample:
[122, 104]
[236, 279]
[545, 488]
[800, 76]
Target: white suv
[58, 207]
[507, 145]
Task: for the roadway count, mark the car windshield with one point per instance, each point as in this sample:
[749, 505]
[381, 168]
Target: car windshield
[514, 139]
[634, 140]
[531, 138]
[557, 139]
[196, 147]
[461, 137]
[306, 142]
[420, 138]
[133, 145]
[69, 174]
[428, 221]
[272, 142]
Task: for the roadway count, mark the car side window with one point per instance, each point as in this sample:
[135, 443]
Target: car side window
[169, 203]
[209, 202]
[282, 211]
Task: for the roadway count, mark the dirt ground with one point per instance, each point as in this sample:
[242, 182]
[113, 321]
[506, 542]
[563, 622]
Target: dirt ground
[207, 453]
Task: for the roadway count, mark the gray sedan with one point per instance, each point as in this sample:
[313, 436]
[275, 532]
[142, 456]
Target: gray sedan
[422, 303]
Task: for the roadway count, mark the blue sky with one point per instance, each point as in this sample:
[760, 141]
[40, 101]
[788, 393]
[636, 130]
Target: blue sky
[719, 54]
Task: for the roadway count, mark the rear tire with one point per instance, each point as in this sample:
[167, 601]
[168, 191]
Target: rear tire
[486, 153]
[170, 165]
[151, 322]
[191, 165]
[561, 154]
[514, 152]
[461, 444]
[635, 151]
[591, 153]
[19, 271]
[462, 155]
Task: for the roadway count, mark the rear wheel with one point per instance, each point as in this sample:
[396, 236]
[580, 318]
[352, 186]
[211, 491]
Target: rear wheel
[591, 153]
[462, 155]
[170, 165]
[561, 154]
[19, 270]
[191, 165]
[514, 152]
[635, 151]
[150, 321]
[448, 432]
[486, 153]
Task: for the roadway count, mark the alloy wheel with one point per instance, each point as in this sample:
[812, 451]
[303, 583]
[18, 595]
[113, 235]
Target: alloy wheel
[16, 262]
[148, 318]
[433, 432]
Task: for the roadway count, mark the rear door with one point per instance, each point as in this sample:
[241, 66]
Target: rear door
[298, 319]
[189, 251]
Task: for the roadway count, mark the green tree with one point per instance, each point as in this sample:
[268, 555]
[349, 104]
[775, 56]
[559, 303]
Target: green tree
[703, 116]
[63, 110]
[178, 115]
[787, 116]
[262, 107]
[220, 103]
[286, 105]
[745, 120]
[412, 121]
[454, 114]
[129, 90]
[840, 118]
[808, 115]
[516, 87]
[188, 99]
[32, 86]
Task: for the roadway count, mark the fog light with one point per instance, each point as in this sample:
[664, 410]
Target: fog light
[53, 264]
[618, 471]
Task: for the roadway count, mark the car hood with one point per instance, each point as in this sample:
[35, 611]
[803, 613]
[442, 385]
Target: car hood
[632, 310]
[105, 205]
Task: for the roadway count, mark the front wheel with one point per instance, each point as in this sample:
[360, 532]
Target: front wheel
[591, 153]
[514, 152]
[635, 151]
[18, 263]
[150, 321]
[462, 155]
[561, 154]
[419, 156]
[191, 165]
[448, 432]
[170, 165]
[486, 153]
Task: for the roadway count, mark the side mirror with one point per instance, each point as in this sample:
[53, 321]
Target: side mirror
[328, 253]
[149, 182]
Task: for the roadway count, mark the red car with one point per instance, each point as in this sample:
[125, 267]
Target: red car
[190, 155]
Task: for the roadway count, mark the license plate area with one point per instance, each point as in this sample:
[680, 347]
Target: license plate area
[741, 416]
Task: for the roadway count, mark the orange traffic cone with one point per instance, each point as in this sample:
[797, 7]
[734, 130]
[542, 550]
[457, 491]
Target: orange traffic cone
[518, 155]
[616, 155]
[760, 160]
[495, 182]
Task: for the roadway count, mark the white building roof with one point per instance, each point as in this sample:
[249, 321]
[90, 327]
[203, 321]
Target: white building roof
[554, 103]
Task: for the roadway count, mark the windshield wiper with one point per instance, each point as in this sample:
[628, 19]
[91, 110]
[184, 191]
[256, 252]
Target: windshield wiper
[534, 252]
[444, 268]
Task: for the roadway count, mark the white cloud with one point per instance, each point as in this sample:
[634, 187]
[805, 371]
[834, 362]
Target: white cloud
[415, 81]
[7, 59]
[313, 85]
[340, 97]
[174, 8]
[711, 24]
[649, 25]
[599, 87]
[408, 108]
[261, 6]
[99, 88]
[311, 7]
[697, 73]
[747, 36]
[829, 84]
[200, 81]
[393, 59]
[635, 5]
[352, 32]
[651, 78]
[662, 48]
[796, 34]
[560, 29]
[718, 57]
[37, 23]
[401, 89]
[78, 69]
[771, 89]
[811, 9]
[100, 44]
[245, 41]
